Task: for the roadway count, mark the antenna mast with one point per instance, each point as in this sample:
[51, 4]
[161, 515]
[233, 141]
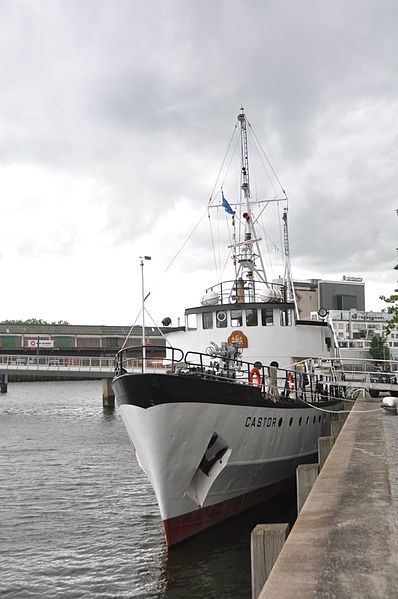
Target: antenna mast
[288, 280]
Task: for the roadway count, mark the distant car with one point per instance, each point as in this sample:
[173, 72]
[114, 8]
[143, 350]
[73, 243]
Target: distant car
[384, 378]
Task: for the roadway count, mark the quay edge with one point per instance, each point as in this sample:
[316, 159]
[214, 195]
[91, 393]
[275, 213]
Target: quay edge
[344, 541]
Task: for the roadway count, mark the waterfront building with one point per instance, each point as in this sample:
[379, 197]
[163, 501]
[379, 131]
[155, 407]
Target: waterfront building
[313, 294]
[73, 339]
[356, 328]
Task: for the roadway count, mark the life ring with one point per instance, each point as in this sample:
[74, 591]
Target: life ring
[255, 371]
[290, 381]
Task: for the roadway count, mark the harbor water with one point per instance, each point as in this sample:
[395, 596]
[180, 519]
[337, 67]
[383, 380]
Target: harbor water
[79, 519]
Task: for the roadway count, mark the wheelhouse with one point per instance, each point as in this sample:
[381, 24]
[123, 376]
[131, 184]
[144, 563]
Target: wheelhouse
[252, 315]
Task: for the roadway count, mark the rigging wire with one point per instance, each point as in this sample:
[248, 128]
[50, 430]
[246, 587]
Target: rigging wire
[230, 162]
[186, 241]
[130, 331]
[281, 235]
[156, 326]
[223, 162]
[267, 159]
[257, 219]
[212, 244]
[225, 263]
[251, 133]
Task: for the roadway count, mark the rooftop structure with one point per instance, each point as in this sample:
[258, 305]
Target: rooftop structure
[313, 294]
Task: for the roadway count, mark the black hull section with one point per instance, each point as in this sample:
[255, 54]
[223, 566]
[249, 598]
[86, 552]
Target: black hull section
[148, 390]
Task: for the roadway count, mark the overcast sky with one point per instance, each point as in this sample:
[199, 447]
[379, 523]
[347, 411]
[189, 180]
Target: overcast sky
[114, 119]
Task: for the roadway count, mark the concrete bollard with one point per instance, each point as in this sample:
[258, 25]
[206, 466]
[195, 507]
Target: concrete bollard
[266, 543]
[306, 475]
[325, 444]
[335, 428]
[108, 396]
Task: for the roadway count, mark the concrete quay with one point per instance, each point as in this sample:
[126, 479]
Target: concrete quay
[344, 543]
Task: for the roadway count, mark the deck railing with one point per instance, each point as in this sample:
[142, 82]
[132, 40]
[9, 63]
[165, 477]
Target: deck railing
[273, 383]
[243, 291]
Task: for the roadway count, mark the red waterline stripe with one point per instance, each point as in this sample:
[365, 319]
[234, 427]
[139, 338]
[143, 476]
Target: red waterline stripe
[181, 527]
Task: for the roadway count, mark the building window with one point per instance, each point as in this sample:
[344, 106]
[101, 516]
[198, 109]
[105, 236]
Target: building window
[221, 319]
[62, 342]
[251, 318]
[267, 317]
[112, 342]
[8, 342]
[207, 320]
[236, 318]
[88, 342]
[286, 317]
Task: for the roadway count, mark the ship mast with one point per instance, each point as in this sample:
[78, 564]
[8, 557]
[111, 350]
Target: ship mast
[248, 257]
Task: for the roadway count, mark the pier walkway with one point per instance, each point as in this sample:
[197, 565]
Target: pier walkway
[344, 542]
[67, 366]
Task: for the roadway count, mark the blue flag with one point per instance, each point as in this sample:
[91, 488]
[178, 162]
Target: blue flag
[226, 205]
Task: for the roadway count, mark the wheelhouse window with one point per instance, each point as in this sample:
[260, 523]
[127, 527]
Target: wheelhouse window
[191, 321]
[207, 320]
[221, 319]
[251, 317]
[267, 317]
[286, 317]
[236, 318]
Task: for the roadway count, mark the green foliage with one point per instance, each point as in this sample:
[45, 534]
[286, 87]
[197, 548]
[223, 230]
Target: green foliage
[379, 349]
[392, 309]
[34, 321]
[393, 306]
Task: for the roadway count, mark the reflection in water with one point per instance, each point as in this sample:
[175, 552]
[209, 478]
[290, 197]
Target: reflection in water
[216, 563]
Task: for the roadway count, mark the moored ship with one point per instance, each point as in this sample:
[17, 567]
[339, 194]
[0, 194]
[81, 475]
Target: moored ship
[237, 403]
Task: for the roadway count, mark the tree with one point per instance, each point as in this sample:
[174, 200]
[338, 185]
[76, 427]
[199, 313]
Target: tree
[34, 321]
[393, 306]
[379, 349]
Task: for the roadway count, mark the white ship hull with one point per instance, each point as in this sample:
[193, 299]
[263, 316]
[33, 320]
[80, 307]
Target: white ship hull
[262, 444]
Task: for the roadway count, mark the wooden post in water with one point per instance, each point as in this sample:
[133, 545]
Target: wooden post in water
[266, 543]
[3, 383]
[108, 396]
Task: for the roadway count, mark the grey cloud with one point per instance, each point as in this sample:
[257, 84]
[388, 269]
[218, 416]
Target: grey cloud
[143, 99]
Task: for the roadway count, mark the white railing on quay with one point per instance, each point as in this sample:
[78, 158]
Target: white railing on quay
[18, 363]
[79, 365]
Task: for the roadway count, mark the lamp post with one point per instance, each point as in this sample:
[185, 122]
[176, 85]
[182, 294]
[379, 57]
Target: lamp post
[143, 258]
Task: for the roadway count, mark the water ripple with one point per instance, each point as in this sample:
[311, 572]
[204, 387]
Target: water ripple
[79, 519]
